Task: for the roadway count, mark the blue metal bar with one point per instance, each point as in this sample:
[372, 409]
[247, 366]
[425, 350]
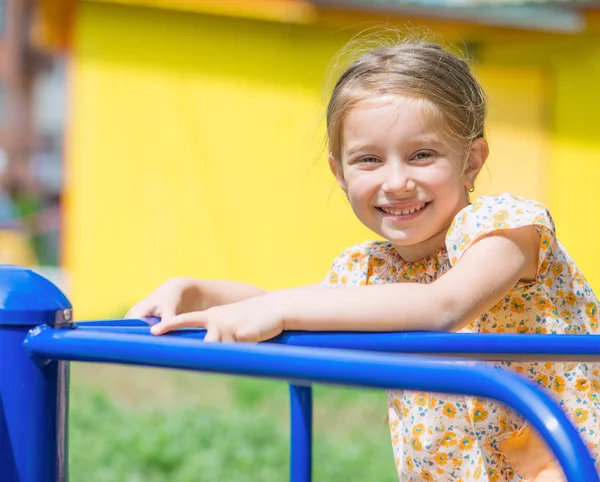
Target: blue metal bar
[301, 433]
[343, 367]
[483, 346]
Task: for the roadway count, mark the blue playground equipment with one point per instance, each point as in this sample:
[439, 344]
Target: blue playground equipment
[38, 339]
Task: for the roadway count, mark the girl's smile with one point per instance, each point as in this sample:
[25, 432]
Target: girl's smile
[402, 212]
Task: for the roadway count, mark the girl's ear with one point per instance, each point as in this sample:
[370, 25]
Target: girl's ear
[478, 154]
[337, 171]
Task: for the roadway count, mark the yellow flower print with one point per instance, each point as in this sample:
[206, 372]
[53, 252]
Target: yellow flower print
[410, 464]
[578, 278]
[344, 280]
[477, 473]
[582, 384]
[449, 410]
[464, 242]
[557, 269]
[422, 399]
[581, 415]
[539, 220]
[558, 384]
[479, 413]
[349, 265]
[449, 439]
[457, 462]
[476, 207]
[378, 262]
[549, 282]
[542, 380]
[571, 298]
[594, 324]
[591, 309]
[523, 329]
[426, 475]
[517, 305]
[500, 215]
[418, 430]
[416, 444]
[432, 402]
[545, 243]
[541, 303]
[333, 279]
[566, 315]
[493, 475]
[357, 255]
[466, 443]
[441, 458]
[541, 330]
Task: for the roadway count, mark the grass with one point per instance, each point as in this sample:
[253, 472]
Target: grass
[135, 424]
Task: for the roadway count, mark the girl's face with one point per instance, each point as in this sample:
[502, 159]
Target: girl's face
[404, 179]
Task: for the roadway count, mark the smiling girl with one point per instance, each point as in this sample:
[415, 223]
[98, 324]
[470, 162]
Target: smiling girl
[406, 139]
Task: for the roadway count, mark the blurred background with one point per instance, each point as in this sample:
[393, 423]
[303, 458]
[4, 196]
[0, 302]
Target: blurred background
[144, 139]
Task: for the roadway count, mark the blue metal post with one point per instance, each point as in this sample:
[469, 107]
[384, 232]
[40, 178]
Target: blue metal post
[301, 433]
[33, 395]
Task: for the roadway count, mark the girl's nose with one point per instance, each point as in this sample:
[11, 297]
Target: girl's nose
[398, 179]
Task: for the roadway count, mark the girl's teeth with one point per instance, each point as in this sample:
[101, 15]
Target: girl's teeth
[402, 212]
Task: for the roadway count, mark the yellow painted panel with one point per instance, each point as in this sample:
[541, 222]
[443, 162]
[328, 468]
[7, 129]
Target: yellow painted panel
[573, 167]
[517, 132]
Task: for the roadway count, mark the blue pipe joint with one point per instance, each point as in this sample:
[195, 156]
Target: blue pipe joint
[33, 393]
[27, 298]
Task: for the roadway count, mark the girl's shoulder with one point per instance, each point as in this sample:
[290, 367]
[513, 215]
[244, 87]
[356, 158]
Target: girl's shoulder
[505, 207]
[496, 213]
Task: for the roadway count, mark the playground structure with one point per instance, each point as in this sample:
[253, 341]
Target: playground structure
[38, 339]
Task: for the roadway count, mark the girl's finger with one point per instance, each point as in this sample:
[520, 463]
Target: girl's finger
[212, 336]
[185, 320]
[141, 310]
[227, 337]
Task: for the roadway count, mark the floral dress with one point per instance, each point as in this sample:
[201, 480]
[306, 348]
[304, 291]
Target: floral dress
[459, 438]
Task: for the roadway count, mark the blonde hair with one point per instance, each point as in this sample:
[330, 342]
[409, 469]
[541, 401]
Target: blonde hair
[414, 69]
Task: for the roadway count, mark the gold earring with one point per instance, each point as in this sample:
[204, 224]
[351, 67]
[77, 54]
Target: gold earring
[471, 189]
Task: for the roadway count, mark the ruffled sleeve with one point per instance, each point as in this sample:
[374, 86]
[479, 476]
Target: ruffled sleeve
[497, 213]
[351, 268]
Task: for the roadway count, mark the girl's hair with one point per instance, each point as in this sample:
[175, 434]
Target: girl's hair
[411, 69]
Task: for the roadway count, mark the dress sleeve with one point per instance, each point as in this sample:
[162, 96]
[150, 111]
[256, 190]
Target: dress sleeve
[351, 268]
[497, 213]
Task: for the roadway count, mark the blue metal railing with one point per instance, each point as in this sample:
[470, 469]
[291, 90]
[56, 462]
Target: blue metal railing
[37, 340]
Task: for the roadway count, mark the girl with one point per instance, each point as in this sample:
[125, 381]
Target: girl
[405, 126]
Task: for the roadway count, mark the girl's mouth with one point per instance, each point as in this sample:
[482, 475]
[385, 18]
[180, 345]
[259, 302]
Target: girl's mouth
[403, 214]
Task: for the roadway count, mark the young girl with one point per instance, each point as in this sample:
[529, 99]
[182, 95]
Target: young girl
[406, 139]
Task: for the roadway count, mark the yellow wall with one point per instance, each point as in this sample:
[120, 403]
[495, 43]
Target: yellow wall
[572, 66]
[194, 149]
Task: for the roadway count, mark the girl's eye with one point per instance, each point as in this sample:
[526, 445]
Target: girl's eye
[368, 160]
[419, 156]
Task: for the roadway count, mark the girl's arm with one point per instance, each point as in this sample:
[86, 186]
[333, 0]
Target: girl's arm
[487, 271]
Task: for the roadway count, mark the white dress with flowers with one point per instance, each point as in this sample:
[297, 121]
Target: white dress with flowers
[459, 438]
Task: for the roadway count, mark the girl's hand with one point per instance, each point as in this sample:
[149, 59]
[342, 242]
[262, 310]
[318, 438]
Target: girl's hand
[178, 295]
[253, 320]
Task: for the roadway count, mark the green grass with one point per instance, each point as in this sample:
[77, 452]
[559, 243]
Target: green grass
[132, 424]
